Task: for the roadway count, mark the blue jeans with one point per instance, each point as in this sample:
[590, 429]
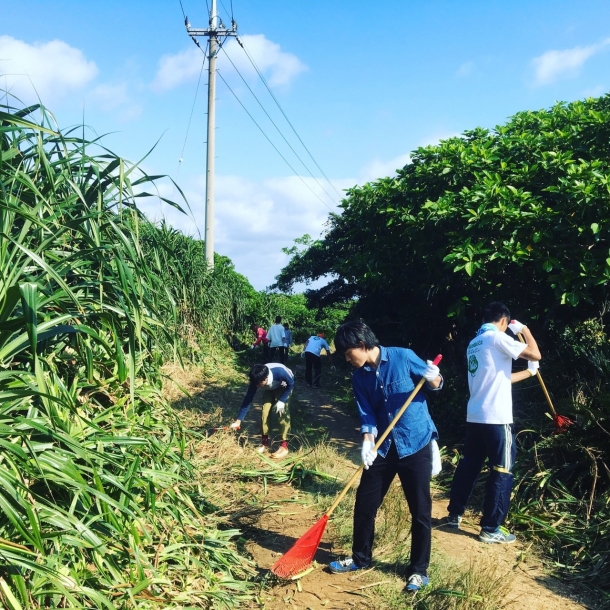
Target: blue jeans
[495, 443]
[414, 474]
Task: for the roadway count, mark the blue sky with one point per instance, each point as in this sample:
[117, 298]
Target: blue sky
[364, 83]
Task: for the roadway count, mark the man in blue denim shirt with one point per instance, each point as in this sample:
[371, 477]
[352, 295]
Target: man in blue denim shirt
[383, 379]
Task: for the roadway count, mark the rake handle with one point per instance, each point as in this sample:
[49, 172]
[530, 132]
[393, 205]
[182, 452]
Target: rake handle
[382, 438]
[546, 393]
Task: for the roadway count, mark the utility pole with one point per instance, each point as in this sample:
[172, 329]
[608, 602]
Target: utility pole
[215, 31]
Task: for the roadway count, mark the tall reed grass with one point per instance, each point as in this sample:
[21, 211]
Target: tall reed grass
[96, 503]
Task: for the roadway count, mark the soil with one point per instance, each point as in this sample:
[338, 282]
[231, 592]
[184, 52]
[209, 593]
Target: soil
[273, 532]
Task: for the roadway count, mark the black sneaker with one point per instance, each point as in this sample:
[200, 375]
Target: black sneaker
[453, 521]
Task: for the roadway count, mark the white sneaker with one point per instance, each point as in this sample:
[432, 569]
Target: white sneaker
[280, 453]
[261, 449]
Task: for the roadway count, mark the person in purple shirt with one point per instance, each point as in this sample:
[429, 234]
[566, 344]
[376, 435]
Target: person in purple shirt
[383, 380]
[277, 381]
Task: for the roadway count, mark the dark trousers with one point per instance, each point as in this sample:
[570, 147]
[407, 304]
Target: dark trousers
[414, 474]
[272, 354]
[496, 443]
[313, 362]
[283, 354]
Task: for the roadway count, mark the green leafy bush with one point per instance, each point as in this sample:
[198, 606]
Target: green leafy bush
[520, 213]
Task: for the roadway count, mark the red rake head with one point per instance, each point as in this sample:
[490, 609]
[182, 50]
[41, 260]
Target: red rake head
[562, 423]
[302, 552]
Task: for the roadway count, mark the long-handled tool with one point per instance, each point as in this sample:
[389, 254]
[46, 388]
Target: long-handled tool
[561, 422]
[302, 552]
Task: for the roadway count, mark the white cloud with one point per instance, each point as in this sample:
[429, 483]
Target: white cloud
[380, 169]
[116, 98]
[553, 65]
[465, 69]
[175, 70]
[254, 220]
[596, 91]
[279, 67]
[50, 70]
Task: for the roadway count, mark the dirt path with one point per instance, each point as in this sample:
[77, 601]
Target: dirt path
[276, 529]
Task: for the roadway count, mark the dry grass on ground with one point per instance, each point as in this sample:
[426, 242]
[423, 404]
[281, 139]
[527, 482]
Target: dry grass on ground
[250, 492]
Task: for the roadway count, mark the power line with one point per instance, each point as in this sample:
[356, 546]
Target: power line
[191, 116]
[183, 13]
[193, 33]
[225, 8]
[270, 142]
[277, 128]
[243, 46]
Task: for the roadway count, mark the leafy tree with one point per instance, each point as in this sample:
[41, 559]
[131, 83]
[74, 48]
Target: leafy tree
[519, 213]
[304, 320]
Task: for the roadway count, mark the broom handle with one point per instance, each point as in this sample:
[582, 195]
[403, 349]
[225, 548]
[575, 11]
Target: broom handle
[382, 438]
[546, 393]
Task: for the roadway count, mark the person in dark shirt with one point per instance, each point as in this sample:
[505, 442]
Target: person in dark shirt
[277, 382]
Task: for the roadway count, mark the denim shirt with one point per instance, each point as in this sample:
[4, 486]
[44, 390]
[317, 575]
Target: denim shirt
[381, 392]
[281, 377]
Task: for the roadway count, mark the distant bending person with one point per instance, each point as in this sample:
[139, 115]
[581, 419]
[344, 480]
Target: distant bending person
[277, 382]
[490, 432]
[261, 339]
[313, 361]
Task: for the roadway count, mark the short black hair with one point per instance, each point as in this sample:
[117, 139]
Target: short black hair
[495, 311]
[278, 319]
[258, 373]
[286, 325]
[352, 334]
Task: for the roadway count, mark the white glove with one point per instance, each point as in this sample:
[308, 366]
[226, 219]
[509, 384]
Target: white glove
[252, 346]
[368, 453]
[532, 367]
[280, 407]
[436, 458]
[516, 326]
[431, 372]
[236, 425]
